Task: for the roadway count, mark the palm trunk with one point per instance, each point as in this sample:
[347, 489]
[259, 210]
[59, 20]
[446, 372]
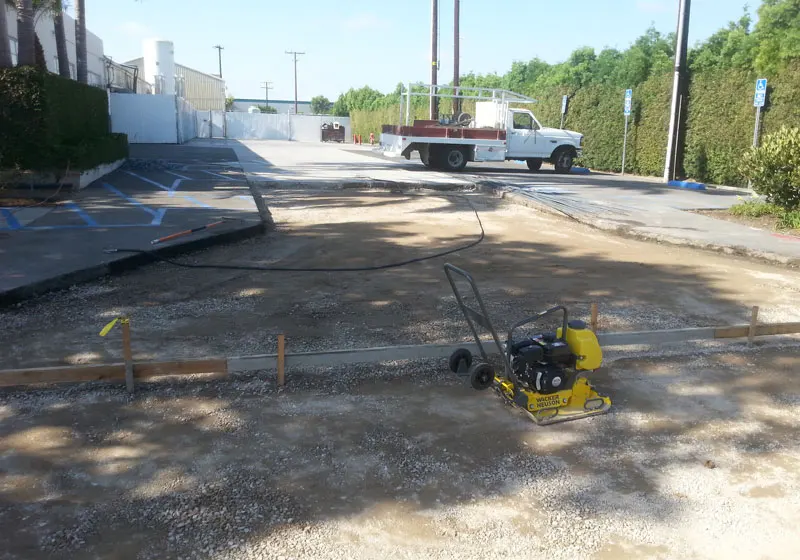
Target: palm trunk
[80, 42]
[25, 33]
[5, 45]
[61, 40]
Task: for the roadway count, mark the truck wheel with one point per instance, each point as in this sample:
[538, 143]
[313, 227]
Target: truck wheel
[534, 164]
[562, 160]
[452, 158]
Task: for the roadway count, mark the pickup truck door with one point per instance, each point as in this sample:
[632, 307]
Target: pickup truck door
[522, 137]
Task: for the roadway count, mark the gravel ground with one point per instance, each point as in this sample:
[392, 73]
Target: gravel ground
[527, 262]
[700, 458]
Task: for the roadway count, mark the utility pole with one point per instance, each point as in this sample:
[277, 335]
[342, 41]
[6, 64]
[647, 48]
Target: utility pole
[456, 56]
[294, 55]
[674, 146]
[219, 52]
[434, 105]
[266, 86]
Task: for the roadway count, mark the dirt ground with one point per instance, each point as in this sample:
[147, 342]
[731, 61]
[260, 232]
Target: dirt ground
[699, 458]
[527, 262]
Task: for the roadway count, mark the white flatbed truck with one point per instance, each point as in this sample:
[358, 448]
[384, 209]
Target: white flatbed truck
[497, 132]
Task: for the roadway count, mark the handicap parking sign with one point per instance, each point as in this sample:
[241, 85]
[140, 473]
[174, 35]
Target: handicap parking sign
[761, 93]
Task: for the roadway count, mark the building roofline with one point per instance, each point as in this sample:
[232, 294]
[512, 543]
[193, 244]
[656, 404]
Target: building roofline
[141, 58]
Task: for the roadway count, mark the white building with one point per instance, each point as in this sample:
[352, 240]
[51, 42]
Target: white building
[205, 92]
[45, 30]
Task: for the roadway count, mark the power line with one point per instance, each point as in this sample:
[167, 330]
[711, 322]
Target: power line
[294, 56]
[266, 86]
[678, 108]
[434, 104]
[456, 55]
[219, 48]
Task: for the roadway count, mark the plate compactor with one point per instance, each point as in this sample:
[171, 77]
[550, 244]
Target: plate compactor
[544, 374]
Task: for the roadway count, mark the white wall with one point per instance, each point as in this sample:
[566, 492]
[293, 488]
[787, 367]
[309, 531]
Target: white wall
[259, 126]
[187, 121]
[146, 119]
[47, 35]
[247, 126]
[306, 128]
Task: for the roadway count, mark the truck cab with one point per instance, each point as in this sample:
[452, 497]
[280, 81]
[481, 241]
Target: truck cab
[527, 139]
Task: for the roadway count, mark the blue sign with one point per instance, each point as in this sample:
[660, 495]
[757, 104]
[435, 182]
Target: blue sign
[628, 101]
[760, 98]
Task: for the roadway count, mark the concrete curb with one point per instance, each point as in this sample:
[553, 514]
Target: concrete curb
[368, 185]
[128, 262]
[632, 233]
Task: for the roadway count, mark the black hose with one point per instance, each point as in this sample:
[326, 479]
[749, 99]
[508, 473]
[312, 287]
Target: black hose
[158, 257]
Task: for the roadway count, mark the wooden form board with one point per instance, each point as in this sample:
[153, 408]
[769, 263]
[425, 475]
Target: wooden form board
[145, 370]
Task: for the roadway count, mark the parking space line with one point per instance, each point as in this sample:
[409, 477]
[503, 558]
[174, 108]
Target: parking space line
[80, 212]
[51, 228]
[146, 180]
[158, 215]
[178, 175]
[171, 190]
[11, 220]
[217, 175]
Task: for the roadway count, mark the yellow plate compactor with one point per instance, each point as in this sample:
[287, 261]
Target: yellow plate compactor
[544, 374]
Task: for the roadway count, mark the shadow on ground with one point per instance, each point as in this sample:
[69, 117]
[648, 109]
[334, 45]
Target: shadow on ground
[394, 458]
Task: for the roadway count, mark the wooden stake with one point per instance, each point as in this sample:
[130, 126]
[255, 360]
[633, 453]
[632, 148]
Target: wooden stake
[281, 361]
[127, 353]
[594, 317]
[753, 325]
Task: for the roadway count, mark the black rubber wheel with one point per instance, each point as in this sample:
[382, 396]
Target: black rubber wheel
[534, 164]
[481, 376]
[425, 157]
[562, 160]
[456, 358]
[453, 158]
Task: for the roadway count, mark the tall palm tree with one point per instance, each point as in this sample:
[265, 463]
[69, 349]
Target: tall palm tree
[81, 55]
[5, 44]
[61, 39]
[26, 36]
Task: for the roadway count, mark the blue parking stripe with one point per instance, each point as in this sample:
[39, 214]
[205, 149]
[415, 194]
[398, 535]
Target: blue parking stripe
[132, 200]
[50, 228]
[80, 212]
[11, 220]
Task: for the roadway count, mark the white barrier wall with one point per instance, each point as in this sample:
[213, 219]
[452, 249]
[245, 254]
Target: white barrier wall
[307, 128]
[167, 119]
[187, 121]
[146, 119]
[259, 126]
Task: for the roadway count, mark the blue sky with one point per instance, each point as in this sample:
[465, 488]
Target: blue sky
[351, 43]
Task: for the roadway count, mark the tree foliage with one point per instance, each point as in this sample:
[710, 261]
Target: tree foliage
[320, 105]
[778, 35]
[774, 168]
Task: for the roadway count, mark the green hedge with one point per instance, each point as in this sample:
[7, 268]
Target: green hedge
[720, 121]
[48, 122]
